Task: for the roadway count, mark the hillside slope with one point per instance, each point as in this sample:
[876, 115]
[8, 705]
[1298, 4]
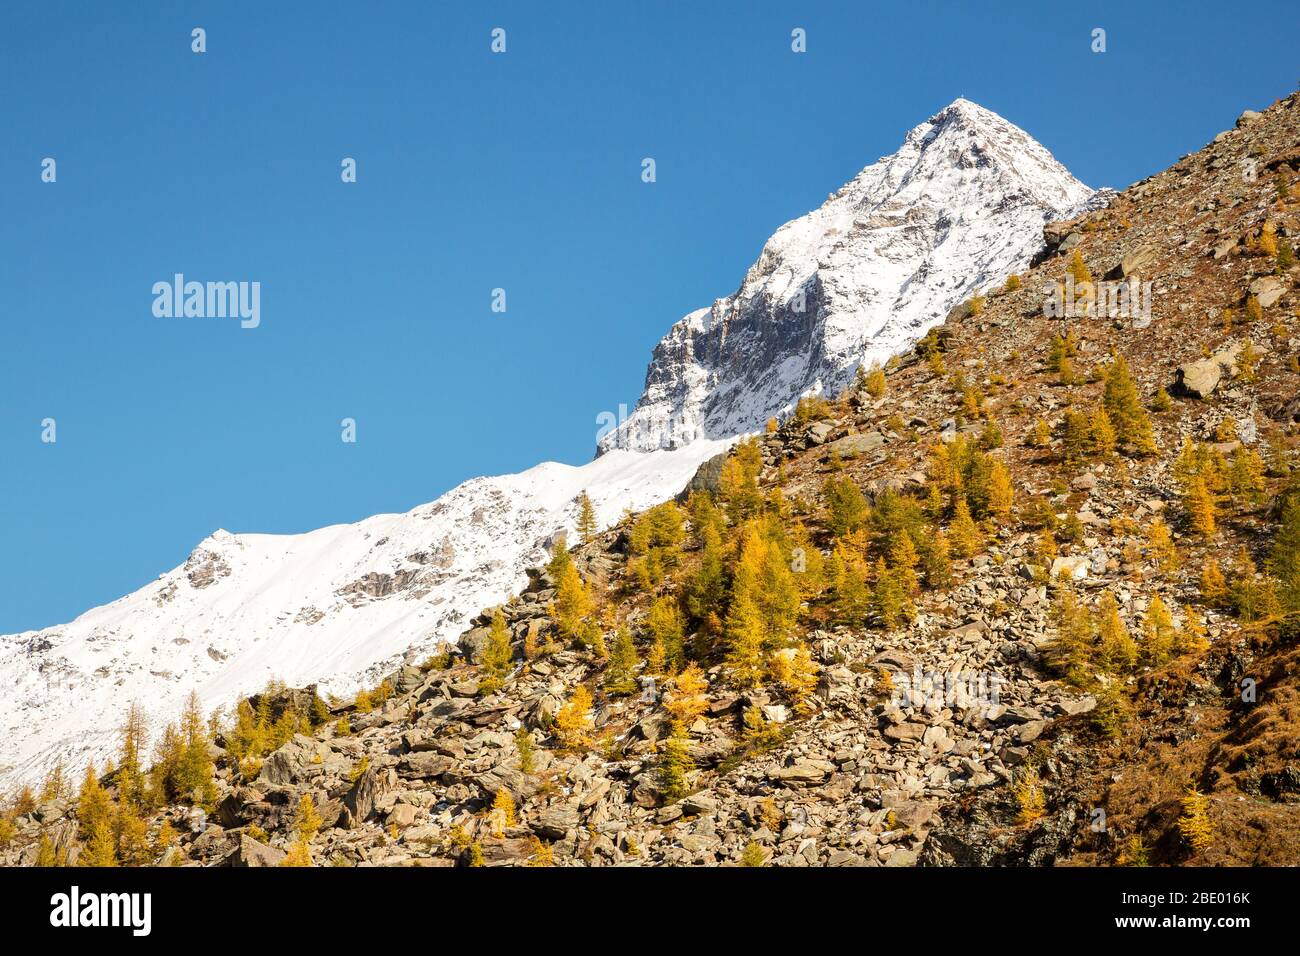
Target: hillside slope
[959, 205]
[1029, 597]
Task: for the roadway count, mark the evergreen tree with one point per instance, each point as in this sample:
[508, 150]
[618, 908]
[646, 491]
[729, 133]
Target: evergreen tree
[937, 562]
[903, 560]
[706, 588]
[587, 526]
[1101, 433]
[195, 772]
[1072, 650]
[620, 676]
[794, 670]
[738, 481]
[101, 849]
[674, 765]
[1162, 547]
[45, 855]
[1193, 637]
[745, 635]
[497, 655]
[1076, 435]
[1124, 407]
[55, 785]
[1002, 494]
[540, 854]
[1159, 634]
[306, 821]
[130, 777]
[688, 698]
[1245, 594]
[503, 812]
[573, 606]
[1284, 557]
[299, 855]
[850, 594]
[1119, 652]
[560, 559]
[1245, 476]
[875, 382]
[846, 507]
[889, 597]
[666, 629]
[1194, 824]
[1214, 586]
[962, 533]
[93, 805]
[1200, 508]
[131, 835]
[526, 748]
[1079, 269]
[574, 721]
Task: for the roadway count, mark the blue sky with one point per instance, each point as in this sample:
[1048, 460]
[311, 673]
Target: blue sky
[475, 171]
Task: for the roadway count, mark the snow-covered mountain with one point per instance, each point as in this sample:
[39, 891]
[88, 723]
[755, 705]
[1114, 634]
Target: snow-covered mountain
[340, 605]
[959, 206]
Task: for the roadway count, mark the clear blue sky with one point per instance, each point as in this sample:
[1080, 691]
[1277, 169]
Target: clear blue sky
[475, 171]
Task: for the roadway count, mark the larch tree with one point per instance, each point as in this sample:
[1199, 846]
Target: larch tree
[963, 534]
[1200, 508]
[1002, 493]
[1160, 637]
[587, 526]
[620, 669]
[1124, 407]
[1118, 649]
[497, 654]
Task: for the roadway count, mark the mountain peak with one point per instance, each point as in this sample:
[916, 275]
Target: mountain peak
[960, 205]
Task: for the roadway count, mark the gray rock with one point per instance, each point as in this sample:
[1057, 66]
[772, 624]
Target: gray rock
[251, 853]
[707, 477]
[359, 802]
[851, 446]
[1199, 379]
[1267, 290]
[555, 821]
[1138, 262]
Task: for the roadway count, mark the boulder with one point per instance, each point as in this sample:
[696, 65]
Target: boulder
[1073, 568]
[1267, 290]
[473, 643]
[1199, 379]
[555, 822]
[851, 446]
[359, 802]
[251, 852]
[401, 816]
[805, 771]
[291, 762]
[424, 764]
[707, 477]
[1137, 262]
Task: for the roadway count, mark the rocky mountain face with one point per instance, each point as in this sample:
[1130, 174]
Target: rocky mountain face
[959, 206]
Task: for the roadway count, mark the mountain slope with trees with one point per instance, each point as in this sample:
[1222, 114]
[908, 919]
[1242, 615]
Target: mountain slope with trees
[1026, 595]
